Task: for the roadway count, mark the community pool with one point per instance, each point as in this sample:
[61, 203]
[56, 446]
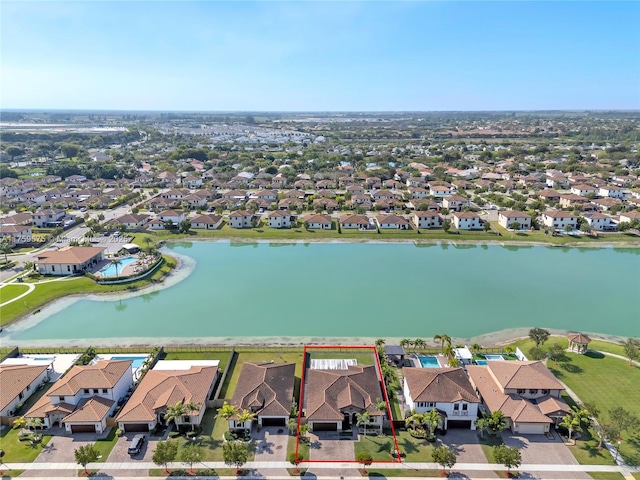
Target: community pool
[494, 357]
[429, 361]
[110, 270]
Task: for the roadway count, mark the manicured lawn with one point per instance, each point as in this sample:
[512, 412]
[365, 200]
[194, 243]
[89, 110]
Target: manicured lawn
[601, 346]
[9, 292]
[487, 443]
[607, 382]
[16, 451]
[586, 450]
[47, 292]
[539, 236]
[221, 355]
[397, 472]
[105, 445]
[395, 406]
[414, 449]
[526, 344]
[380, 447]
[303, 448]
[606, 475]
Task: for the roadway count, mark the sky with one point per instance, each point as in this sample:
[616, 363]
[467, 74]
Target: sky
[320, 55]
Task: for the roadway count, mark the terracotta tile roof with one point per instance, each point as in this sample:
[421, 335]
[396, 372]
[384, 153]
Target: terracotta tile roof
[578, 338]
[161, 388]
[514, 214]
[318, 218]
[549, 405]
[439, 385]
[207, 219]
[93, 409]
[328, 392]
[265, 388]
[465, 215]
[392, 220]
[71, 255]
[44, 406]
[14, 379]
[558, 214]
[515, 374]
[240, 213]
[104, 374]
[357, 219]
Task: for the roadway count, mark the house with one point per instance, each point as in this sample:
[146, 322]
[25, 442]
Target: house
[175, 216]
[509, 217]
[573, 201]
[448, 390]
[194, 200]
[559, 220]
[382, 195]
[455, 203]
[361, 222]
[268, 195]
[83, 399]
[17, 384]
[207, 222]
[549, 196]
[527, 393]
[426, 219]
[607, 203]
[69, 260]
[467, 221]
[266, 390]
[156, 224]
[47, 218]
[280, 219]
[611, 192]
[160, 389]
[131, 221]
[392, 221]
[583, 189]
[17, 219]
[240, 219]
[318, 221]
[333, 397]
[415, 182]
[355, 190]
[630, 216]
[192, 182]
[16, 234]
[440, 191]
[279, 181]
[418, 192]
[598, 221]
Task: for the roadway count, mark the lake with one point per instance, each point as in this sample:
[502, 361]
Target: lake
[321, 290]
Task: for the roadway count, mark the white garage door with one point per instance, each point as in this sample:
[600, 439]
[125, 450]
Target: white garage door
[531, 428]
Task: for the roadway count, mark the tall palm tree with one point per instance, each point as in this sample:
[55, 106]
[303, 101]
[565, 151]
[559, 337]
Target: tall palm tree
[116, 263]
[227, 411]
[405, 343]
[245, 416]
[418, 343]
[448, 351]
[575, 419]
[380, 342]
[175, 412]
[363, 419]
[5, 248]
[442, 338]
[147, 242]
[432, 419]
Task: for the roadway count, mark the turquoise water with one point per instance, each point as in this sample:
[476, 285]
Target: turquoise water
[428, 361]
[110, 270]
[137, 360]
[320, 290]
[481, 362]
[494, 357]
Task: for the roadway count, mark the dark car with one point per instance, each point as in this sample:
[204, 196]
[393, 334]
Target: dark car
[136, 444]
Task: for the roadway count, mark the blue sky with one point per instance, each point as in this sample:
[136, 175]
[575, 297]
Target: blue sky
[328, 55]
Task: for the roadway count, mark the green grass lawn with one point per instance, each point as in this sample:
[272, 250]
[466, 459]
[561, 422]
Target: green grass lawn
[303, 448]
[9, 292]
[606, 475]
[487, 443]
[221, 355]
[47, 292]
[414, 449]
[395, 406]
[16, 451]
[539, 236]
[105, 445]
[607, 382]
[586, 450]
[397, 472]
[526, 344]
[380, 447]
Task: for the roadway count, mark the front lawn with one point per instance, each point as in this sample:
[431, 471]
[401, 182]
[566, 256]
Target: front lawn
[606, 382]
[414, 449]
[105, 445]
[303, 448]
[606, 475]
[380, 447]
[397, 472]
[487, 443]
[16, 451]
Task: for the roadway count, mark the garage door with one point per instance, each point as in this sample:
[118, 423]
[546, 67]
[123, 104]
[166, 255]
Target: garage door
[459, 424]
[325, 427]
[136, 427]
[531, 428]
[274, 422]
[83, 429]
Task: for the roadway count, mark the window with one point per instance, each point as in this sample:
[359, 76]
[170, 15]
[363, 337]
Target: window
[61, 399]
[545, 392]
[28, 387]
[86, 390]
[465, 407]
[456, 407]
[533, 391]
[521, 391]
[20, 396]
[104, 390]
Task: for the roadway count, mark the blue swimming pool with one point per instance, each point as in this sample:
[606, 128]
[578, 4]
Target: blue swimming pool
[110, 270]
[44, 358]
[494, 357]
[481, 362]
[428, 361]
[138, 360]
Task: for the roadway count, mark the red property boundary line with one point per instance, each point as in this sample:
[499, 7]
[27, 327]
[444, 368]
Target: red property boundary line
[374, 352]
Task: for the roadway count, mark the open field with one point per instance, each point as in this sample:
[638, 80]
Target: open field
[607, 382]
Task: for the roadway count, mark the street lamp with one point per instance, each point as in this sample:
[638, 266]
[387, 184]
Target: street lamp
[618, 449]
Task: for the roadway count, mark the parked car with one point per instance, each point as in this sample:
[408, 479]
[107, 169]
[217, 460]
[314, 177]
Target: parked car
[136, 444]
[117, 234]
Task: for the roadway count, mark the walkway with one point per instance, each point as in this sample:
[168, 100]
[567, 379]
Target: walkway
[32, 287]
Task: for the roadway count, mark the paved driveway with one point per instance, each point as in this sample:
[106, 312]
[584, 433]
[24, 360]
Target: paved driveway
[271, 446]
[466, 444]
[60, 450]
[331, 446]
[119, 453]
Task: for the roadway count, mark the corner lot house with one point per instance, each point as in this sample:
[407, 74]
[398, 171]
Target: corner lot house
[448, 390]
[265, 389]
[69, 260]
[511, 216]
[333, 398]
[426, 219]
[318, 221]
[559, 219]
[466, 221]
[240, 219]
[17, 384]
[162, 388]
[527, 393]
[85, 397]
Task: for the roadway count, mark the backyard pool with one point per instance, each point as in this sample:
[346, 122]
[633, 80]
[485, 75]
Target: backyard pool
[138, 360]
[494, 357]
[429, 361]
[481, 362]
[110, 270]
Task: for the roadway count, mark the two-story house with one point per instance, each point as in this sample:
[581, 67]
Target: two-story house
[426, 219]
[509, 217]
[280, 219]
[240, 219]
[559, 220]
[47, 218]
[17, 384]
[467, 221]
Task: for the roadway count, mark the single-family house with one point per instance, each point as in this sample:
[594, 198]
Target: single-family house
[279, 181]
[16, 234]
[549, 196]
[598, 221]
[583, 189]
[83, 399]
[280, 219]
[559, 220]
[69, 260]
[527, 393]
[570, 200]
[509, 217]
[192, 182]
[318, 221]
[266, 390]
[448, 390]
[611, 192]
[360, 222]
[207, 222]
[440, 191]
[333, 397]
[175, 216]
[47, 218]
[18, 383]
[426, 219]
[160, 389]
[131, 221]
[467, 221]
[455, 203]
[392, 221]
[630, 216]
[268, 195]
[240, 219]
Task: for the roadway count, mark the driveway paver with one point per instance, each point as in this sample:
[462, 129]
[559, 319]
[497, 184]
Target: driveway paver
[119, 455]
[331, 446]
[271, 446]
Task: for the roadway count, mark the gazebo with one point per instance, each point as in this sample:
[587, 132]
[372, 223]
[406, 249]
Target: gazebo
[578, 342]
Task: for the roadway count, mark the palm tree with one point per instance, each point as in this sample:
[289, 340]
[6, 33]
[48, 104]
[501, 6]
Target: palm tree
[363, 419]
[496, 422]
[175, 412]
[575, 419]
[227, 411]
[405, 343]
[482, 425]
[116, 262]
[418, 343]
[432, 420]
[5, 248]
[442, 338]
[476, 347]
[414, 421]
[245, 416]
[449, 351]
[292, 425]
[380, 342]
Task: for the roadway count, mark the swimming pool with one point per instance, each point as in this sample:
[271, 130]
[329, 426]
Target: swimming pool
[42, 359]
[110, 270]
[481, 362]
[494, 357]
[138, 360]
[429, 361]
